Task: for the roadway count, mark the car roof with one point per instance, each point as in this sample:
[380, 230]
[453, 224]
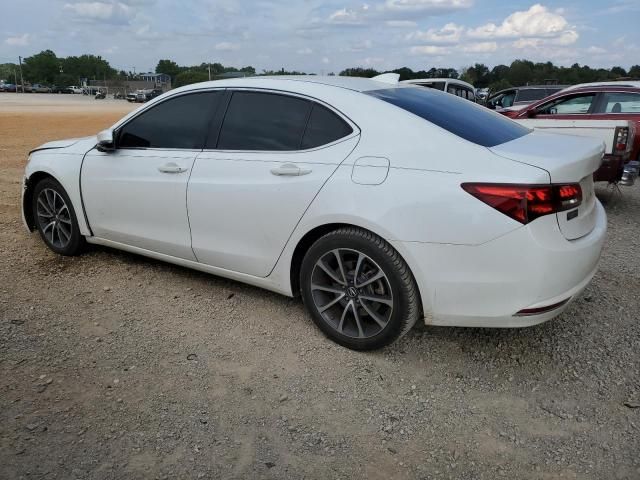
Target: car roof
[357, 84]
[603, 88]
[614, 83]
[433, 80]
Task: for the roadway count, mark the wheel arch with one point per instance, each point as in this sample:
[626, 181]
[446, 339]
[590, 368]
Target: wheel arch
[27, 198]
[311, 236]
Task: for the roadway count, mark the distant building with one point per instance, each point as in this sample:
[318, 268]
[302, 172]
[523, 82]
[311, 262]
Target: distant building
[141, 81]
[161, 80]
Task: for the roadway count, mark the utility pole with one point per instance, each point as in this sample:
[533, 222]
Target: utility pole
[21, 79]
[209, 72]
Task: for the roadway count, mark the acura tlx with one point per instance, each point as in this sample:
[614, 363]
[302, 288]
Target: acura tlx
[379, 203]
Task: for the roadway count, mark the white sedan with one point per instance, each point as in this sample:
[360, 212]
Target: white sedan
[379, 203]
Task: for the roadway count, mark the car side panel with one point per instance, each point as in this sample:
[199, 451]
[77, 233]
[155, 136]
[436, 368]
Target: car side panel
[65, 168]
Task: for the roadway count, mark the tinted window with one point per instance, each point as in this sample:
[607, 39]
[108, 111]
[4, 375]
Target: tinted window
[570, 105]
[436, 85]
[263, 121]
[180, 122]
[508, 99]
[622, 103]
[324, 127]
[531, 94]
[460, 117]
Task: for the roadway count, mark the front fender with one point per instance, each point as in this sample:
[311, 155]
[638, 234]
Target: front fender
[64, 168]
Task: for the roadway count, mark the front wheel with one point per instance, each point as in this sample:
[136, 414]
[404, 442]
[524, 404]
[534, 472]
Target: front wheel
[358, 289]
[55, 218]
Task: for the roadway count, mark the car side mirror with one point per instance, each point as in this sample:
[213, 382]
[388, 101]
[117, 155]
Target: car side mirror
[106, 142]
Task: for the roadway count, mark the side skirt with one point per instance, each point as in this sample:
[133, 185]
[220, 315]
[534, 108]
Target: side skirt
[266, 283]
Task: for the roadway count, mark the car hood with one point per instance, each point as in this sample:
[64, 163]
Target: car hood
[72, 144]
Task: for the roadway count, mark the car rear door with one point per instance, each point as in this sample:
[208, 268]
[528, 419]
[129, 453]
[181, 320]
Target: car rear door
[252, 184]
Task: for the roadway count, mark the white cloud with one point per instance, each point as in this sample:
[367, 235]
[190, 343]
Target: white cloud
[18, 40]
[109, 12]
[449, 34]
[226, 46]
[433, 7]
[358, 46]
[346, 16]
[325, 60]
[400, 23]
[538, 21]
[304, 51]
[596, 50]
[480, 47]
[523, 43]
[428, 50]
[566, 38]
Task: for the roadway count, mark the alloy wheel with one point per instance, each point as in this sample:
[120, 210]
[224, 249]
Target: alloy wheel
[352, 293]
[54, 218]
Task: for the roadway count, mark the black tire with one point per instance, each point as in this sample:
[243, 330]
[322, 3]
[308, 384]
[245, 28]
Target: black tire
[397, 288]
[64, 221]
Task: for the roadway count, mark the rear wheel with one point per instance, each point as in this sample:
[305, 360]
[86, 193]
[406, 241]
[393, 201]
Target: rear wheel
[55, 218]
[358, 289]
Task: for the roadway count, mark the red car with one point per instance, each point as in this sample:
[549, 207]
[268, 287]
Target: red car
[603, 102]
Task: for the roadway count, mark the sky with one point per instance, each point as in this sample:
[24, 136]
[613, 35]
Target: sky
[325, 36]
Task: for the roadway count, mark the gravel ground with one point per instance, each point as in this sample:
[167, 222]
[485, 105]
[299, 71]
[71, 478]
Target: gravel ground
[113, 366]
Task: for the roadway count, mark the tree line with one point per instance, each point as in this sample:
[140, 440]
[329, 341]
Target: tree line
[46, 67]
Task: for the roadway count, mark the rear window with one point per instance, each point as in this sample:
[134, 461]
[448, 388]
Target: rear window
[436, 85]
[465, 119]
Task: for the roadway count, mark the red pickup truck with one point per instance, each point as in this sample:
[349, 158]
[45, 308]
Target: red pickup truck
[595, 102]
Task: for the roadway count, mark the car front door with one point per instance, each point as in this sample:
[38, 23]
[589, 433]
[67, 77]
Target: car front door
[136, 194]
[252, 184]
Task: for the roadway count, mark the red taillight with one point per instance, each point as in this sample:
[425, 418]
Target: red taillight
[525, 203]
[621, 139]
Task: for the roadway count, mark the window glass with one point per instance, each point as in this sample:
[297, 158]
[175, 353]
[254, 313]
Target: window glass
[621, 103]
[577, 104]
[436, 85]
[531, 94]
[263, 121]
[465, 119]
[451, 89]
[324, 127]
[180, 122]
[471, 96]
[507, 100]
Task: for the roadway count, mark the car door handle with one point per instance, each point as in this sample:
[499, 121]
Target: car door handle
[172, 168]
[290, 169]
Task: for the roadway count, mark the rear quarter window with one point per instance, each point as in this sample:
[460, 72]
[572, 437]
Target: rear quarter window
[465, 119]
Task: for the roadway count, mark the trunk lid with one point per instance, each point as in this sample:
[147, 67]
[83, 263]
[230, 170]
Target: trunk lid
[567, 159]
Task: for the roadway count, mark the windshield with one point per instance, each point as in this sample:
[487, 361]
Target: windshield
[462, 118]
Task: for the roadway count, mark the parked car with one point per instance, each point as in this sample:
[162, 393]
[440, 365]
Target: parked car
[27, 88]
[9, 87]
[615, 83]
[379, 203]
[595, 103]
[39, 88]
[131, 96]
[146, 95]
[60, 89]
[517, 98]
[449, 85]
[76, 89]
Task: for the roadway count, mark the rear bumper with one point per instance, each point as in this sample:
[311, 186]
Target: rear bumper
[611, 169]
[487, 285]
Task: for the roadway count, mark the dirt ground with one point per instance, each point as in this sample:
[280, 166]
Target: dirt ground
[113, 366]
